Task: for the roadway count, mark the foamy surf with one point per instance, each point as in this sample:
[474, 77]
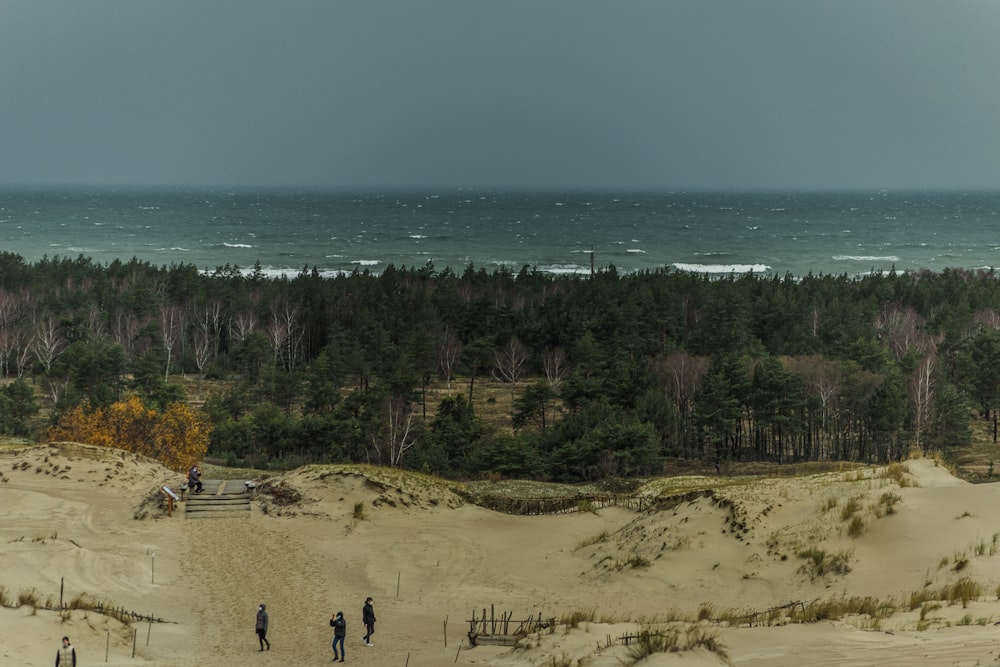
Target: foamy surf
[722, 268]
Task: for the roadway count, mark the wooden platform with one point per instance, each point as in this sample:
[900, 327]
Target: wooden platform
[220, 498]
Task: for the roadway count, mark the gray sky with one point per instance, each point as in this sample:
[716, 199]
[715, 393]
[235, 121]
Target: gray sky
[666, 94]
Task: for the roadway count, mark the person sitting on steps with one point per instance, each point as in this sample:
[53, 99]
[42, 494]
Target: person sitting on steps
[194, 479]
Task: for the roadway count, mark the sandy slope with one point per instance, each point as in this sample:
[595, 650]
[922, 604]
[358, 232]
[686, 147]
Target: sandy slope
[427, 558]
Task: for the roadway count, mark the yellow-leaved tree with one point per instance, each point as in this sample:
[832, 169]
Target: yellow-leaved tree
[177, 437]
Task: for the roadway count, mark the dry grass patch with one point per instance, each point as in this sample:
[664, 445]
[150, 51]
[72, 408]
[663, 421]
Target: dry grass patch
[820, 562]
[676, 640]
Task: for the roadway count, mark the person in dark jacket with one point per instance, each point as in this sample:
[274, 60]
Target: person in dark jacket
[194, 479]
[66, 655]
[368, 616]
[339, 625]
[261, 626]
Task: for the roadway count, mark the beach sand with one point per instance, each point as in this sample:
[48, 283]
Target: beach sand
[430, 561]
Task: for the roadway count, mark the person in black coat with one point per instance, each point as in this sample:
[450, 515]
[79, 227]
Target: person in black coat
[261, 626]
[368, 616]
[339, 625]
[194, 479]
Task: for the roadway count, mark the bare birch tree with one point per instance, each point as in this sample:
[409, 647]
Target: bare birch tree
[285, 334]
[171, 330]
[509, 364]
[243, 324]
[449, 353]
[47, 342]
[922, 392]
[554, 366]
[395, 436]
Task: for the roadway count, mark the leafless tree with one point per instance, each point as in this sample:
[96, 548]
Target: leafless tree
[395, 437]
[125, 329]
[987, 317]
[509, 364]
[22, 351]
[202, 346]
[922, 389]
[285, 334]
[171, 329]
[900, 329]
[449, 352]
[210, 321]
[11, 308]
[554, 366]
[243, 324]
[47, 343]
[96, 324]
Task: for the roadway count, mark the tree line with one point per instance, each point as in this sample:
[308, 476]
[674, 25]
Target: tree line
[609, 374]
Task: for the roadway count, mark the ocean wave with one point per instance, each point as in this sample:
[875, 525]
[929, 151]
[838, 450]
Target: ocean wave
[563, 269]
[236, 245]
[278, 272]
[721, 268]
[636, 250]
[865, 258]
[366, 262]
[417, 236]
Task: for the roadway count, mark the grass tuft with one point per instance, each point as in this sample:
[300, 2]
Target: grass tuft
[820, 563]
[675, 641]
[579, 617]
[856, 527]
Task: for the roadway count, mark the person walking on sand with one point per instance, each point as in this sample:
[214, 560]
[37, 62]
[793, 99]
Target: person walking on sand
[66, 655]
[368, 616]
[339, 625]
[262, 626]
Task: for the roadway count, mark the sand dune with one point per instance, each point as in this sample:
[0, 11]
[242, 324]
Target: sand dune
[723, 550]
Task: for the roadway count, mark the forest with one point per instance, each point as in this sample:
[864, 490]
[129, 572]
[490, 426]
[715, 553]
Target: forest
[610, 375]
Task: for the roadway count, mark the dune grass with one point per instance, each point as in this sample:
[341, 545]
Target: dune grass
[675, 640]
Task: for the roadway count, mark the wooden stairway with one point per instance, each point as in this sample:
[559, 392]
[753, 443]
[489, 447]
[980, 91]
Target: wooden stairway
[220, 498]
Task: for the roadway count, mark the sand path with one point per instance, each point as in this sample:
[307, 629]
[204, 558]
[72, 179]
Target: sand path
[236, 564]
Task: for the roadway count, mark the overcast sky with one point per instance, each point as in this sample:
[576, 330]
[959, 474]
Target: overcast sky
[665, 94]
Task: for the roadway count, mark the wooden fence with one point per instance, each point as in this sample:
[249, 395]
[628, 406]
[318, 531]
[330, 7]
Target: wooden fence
[562, 504]
[497, 630]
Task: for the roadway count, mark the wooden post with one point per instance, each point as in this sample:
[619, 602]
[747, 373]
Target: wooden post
[459, 649]
[107, 645]
[62, 582]
[149, 630]
[135, 633]
[446, 631]
[397, 583]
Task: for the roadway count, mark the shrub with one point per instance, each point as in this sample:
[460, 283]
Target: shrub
[819, 562]
[964, 590]
[600, 538]
[673, 641]
[575, 618]
[28, 597]
[851, 507]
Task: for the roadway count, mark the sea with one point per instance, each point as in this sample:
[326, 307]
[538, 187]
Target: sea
[336, 231]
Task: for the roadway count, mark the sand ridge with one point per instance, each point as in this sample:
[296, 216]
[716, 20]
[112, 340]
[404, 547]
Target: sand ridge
[714, 548]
